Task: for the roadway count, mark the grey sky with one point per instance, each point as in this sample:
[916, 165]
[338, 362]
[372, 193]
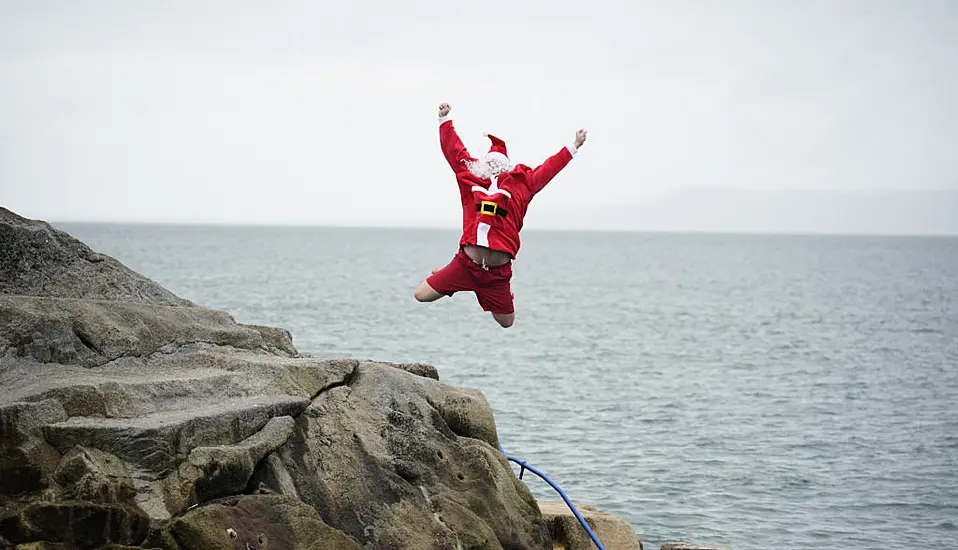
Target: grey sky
[325, 112]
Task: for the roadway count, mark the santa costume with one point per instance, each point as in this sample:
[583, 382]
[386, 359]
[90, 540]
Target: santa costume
[493, 207]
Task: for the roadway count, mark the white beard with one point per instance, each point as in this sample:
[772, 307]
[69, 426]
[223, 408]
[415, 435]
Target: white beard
[488, 167]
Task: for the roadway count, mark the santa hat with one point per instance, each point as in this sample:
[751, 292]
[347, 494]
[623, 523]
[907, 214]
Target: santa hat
[498, 147]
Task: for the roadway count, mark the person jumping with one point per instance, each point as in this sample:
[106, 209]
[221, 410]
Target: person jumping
[495, 195]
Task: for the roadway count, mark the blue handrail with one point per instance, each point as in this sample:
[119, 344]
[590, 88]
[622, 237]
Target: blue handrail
[523, 466]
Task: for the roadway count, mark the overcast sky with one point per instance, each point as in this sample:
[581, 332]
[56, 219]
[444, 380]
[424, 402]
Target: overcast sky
[325, 112]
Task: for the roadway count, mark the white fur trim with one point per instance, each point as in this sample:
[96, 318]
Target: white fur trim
[482, 234]
[443, 119]
[493, 192]
[572, 148]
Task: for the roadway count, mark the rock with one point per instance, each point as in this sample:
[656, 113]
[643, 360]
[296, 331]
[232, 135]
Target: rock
[174, 380]
[80, 524]
[568, 534]
[273, 476]
[26, 459]
[421, 369]
[44, 545]
[468, 415]
[378, 457]
[37, 259]
[131, 417]
[95, 476]
[213, 472]
[92, 333]
[257, 522]
[156, 443]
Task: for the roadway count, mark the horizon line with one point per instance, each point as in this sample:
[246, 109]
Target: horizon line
[458, 228]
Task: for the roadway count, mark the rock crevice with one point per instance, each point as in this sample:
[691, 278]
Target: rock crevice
[345, 382]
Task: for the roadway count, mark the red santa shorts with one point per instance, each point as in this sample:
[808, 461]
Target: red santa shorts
[491, 285]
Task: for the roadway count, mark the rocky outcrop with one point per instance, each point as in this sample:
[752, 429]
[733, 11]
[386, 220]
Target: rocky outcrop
[567, 533]
[257, 521]
[37, 259]
[94, 332]
[132, 418]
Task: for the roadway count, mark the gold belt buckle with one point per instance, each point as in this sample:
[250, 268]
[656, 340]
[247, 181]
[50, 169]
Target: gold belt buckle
[491, 211]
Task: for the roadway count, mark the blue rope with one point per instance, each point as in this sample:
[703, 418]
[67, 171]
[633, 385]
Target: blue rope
[523, 466]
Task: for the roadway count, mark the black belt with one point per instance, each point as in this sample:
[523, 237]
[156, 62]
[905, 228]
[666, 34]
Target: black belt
[490, 208]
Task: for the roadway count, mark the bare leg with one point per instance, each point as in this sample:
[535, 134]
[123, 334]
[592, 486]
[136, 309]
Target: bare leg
[505, 320]
[425, 293]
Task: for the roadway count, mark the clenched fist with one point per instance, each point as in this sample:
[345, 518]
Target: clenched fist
[580, 138]
[444, 109]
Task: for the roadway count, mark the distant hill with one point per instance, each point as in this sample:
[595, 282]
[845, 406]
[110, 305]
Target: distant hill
[748, 211]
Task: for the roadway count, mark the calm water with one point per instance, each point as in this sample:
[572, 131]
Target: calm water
[747, 391]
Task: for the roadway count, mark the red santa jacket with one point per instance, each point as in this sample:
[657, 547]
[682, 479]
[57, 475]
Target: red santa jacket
[493, 209]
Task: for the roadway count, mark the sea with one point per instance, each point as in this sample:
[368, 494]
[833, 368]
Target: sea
[735, 391]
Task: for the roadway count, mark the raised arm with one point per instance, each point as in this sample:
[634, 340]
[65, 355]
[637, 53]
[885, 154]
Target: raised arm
[544, 173]
[452, 147]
